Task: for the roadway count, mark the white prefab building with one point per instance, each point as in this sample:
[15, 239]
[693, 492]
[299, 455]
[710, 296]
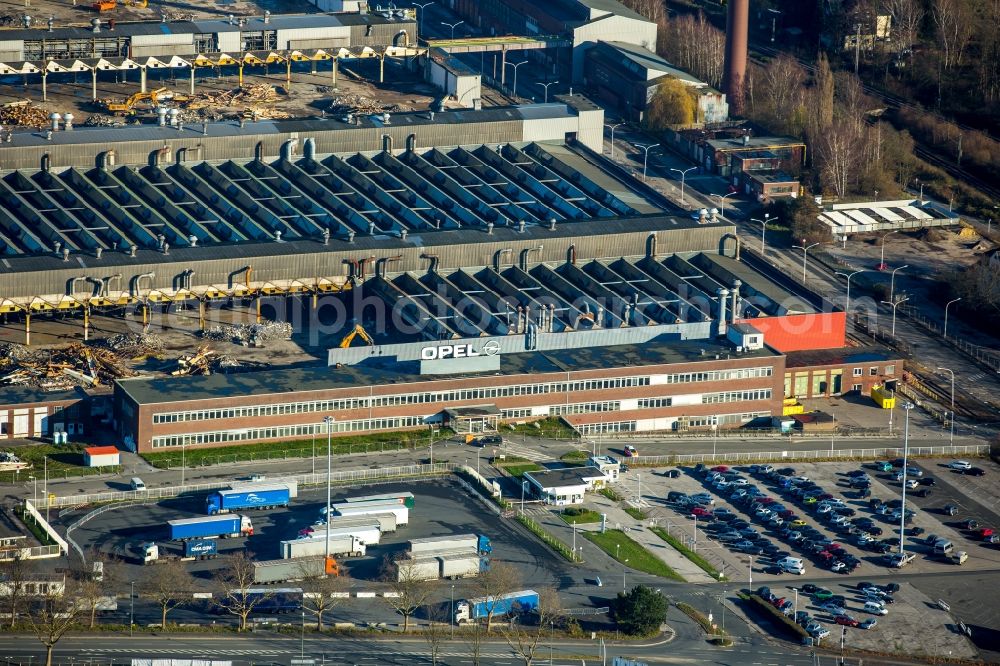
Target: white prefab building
[565, 486]
[608, 465]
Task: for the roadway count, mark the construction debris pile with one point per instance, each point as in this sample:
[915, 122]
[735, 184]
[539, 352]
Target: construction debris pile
[252, 335]
[257, 99]
[103, 120]
[24, 114]
[61, 369]
[207, 361]
[134, 345]
[361, 104]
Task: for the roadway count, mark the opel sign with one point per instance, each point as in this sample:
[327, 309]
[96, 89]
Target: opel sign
[490, 348]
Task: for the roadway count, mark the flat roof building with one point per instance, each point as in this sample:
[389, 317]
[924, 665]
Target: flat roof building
[560, 487]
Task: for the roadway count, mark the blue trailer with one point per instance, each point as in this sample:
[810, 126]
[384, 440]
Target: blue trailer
[470, 610]
[248, 497]
[201, 548]
[210, 526]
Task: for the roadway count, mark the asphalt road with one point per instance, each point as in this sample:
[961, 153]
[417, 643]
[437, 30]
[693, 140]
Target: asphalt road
[267, 648]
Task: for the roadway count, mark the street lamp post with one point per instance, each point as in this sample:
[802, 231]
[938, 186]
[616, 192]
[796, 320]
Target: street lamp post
[763, 228]
[183, 460]
[624, 573]
[452, 619]
[805, 255]
[892, 280]
[515, 65]
[715, 435]
[131, 608]
[645, 158]
[420, 17]
[613, 137]
[881, 264]
[847, 306]
[946, 306]
[683, 173]
[302, 635]
[750, 573]
[329, 478]
[452, 26]
[722, 201]
[546, 86]
[906, 452]
[895, 304]
[951, 441]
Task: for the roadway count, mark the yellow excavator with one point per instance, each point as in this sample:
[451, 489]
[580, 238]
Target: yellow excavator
[108, 5]
[355, 332]
[127, 106]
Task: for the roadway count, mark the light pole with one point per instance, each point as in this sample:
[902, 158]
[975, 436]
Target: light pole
[683, 173]
[892, 280]
[946, 306]
[750, 573]
[952, 373]
[774, 19]
[552, 631]
[722, 201]
[302, 635]
[35, 482]
[624, 573]
[546, 86]
[881, 265]
[763, 229]
[420, 17]
[894, 305]
[314, 452]
[847, 306]
[183, 461]
[715, 435]
[452, 619]
[613, 137]
[515, 65]
[805, 254]
[452, 26]
[906, 452]
[328, 420]
[131, 608]
[645, 158]
[478, 451]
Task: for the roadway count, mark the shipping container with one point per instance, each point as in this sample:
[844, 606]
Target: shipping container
[210, 526]
[460, 565]
[247, 497]
[424, 568]
[475, 542]
[201, 548]
[341, 546]
[280, 571]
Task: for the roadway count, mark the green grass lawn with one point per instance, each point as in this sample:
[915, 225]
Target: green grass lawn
[619, 546]
[638, 514]
[575, 457]
[63, 461]
[550, 428]
[302, 448]
[611, 494]
[580, 516]
[518, 469]
[700, 561]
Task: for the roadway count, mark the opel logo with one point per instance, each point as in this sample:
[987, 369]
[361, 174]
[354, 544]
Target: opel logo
[491, 348]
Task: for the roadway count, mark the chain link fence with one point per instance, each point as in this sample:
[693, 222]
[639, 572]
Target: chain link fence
[787, 456]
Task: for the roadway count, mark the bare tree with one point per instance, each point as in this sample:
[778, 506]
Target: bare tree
[234, 583]
[837, 153]
[93, 583]
[409, 591]
[988, 63]
[14, 575]
[695, 45]
[954, 22]
[53, 612]
[907, 16]
[435, 632]
[525, 639]
[169, 586]
[500, 579]
[476, 635]
[824, 87]
[781, 109]
[321, 595]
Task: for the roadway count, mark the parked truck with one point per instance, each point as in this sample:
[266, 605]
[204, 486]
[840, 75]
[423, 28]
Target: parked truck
[341, 546]
[403, 498]
[470, 610]
[478, 543]
[280, 571]
[210, 526]
[368, 534]
[386, 522]
[248, 497]
[195, 549]
[356, 510]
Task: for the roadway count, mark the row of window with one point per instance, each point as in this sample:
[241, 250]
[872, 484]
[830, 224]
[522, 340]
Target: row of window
[653, 403]
[457, 395]
[873, 371]
[326, 406]
[608, 426]
[286, 432]
[735, 396]
[585, 407]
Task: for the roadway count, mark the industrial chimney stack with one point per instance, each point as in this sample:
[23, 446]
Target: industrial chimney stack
[737, 26]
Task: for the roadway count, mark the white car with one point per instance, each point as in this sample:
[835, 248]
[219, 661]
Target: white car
[960, 464]
[911, 484]
[875, 608]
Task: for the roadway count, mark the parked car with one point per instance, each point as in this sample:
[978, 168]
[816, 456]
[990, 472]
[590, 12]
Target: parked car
[822, 594]
[870, 623]
[912, 483]
[846, 620]
[960, 464]
[975, 471]
[630, 451]
[928, 481]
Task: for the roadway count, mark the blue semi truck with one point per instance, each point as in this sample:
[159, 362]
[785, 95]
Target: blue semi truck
[210, 526]
[470, 610]
[248, 497]
[195, 549]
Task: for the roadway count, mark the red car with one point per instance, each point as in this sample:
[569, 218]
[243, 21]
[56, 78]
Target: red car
[846, 620]
[700, 512]
[765, 500]
[720, 468]
[985, 532]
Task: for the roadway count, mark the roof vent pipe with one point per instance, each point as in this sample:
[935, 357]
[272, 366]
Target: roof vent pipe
[48, 135]
[723, 293]
[552, 224]
[309, 149]
[95, 25]
[193, 240]
[277, 236]
[160, 240]
[734, 308]
[232, 20]
[57, 245]
[385, 118]
[520, 227]
[350, 236]
[402, 234]
[161, 114]
[65, 254]
[68, 119]
[489, 228]
[166, 248]
[98, 252]
[55, 118]
[51, 22]
[371, 228]
[431, 115]
[326, 236]
[267, 16]
[133, 249]
[26, 20]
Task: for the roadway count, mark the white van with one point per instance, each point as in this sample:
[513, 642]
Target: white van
[943, 547]
[792, 565]
[137, 483]
[875, 608]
